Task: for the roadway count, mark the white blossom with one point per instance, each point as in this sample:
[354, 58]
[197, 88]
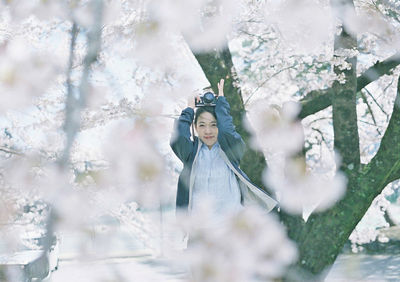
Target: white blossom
[293, 18]
[24, 74]
[204, 24]
[246, 245]
[276, 129]
[136, 168]
[299, 188]
[22, 9]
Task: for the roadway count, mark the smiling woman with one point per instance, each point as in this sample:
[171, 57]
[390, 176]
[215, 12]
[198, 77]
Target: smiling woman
[205, 123]
[211, 162]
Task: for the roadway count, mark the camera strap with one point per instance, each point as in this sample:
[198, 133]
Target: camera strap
[192, 131]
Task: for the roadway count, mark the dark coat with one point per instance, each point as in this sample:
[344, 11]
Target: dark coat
[232, 149]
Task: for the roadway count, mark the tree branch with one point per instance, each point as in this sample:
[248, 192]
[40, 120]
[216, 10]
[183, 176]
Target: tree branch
[377, 104]
[365, 100]
[10, 151]
[265, 81]
[315, 101]
[318, 100]
[74, 106]
[378, 70]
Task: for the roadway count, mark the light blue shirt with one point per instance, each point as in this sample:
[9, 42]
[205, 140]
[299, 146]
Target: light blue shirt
[214, 180]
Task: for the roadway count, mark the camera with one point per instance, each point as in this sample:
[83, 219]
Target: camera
[207, 99]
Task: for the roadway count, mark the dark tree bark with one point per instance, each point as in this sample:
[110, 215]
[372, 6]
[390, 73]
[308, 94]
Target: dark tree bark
[344, 114]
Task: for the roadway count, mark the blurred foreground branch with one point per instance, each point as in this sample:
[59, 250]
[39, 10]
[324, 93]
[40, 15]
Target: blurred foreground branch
[10, 151]
[74, 106]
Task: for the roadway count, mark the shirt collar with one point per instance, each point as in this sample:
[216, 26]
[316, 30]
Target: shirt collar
[213, 148]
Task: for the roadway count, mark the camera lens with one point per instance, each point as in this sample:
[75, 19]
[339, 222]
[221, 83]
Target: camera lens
[208, 98]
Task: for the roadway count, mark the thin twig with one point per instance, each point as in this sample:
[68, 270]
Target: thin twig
[265, 81]
[387, 86]
[364, 98]
[376, 102]
[366, 122]
[74, 34]
[10, 151]
[322, 136]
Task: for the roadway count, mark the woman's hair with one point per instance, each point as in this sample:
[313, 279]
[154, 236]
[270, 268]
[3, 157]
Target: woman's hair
[201, 110]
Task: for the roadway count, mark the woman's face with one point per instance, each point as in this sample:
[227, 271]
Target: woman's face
[207, 129]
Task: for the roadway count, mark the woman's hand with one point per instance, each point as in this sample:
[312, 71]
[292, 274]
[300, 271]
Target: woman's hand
[191, 101]
[221, 87]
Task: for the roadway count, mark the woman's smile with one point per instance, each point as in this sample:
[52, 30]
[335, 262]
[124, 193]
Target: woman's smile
[207, 129]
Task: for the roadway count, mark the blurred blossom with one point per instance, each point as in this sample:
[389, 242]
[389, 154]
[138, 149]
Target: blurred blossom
[304, 25]
[7, 207]
[136, 167]
[97, 96]
[68, 217]
[159, 100]
[44, 10]
[276, 129]
[154, 46]
[204, 23]
[34, 178]
[23, 74]
[83, 15]
[80, 11]
[153, 101]
[38, 186]
[180, 95]
[84, 12]
[9, 204]
[112, 11]
[39, 178]
[10, 237]
[371, 21]
[344, 11]
[142, 226]
[20, 174]
[299, 188]
[247, 245]
[366, 19]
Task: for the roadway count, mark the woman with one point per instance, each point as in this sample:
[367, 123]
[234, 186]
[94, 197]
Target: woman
[211, 161]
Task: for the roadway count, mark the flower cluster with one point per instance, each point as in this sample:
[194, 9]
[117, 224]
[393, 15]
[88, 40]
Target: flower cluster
[243, 246]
